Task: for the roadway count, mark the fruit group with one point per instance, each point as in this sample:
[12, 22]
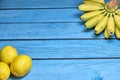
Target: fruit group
[8, 53]
[4, 71]
[21, 65]
[97, 14]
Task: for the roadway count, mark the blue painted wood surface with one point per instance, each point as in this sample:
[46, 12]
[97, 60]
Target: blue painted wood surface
[40, 15]
[74, 70]
[51, 32]
[5, 4]
[66, 48]
[46, 31]
[8, 4]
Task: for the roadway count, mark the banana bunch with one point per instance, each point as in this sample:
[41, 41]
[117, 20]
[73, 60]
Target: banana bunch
[99, 16]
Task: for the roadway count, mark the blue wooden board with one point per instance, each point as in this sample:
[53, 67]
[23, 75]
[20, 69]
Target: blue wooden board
[7, 4]
[66, 48]
[40, 15]
[74, 70]
[13, 4]
[52, 34]
[46, 31]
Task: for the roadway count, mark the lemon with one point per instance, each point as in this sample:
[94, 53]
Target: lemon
[21, 65]
[7, 54]
[4, 71]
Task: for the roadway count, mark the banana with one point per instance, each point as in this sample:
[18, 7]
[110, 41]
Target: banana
[94, 21]
[90, 15]
[111, 25]
[89, 7]
[101, 25]
[99, 15]
[117, 20]
[98, 1]
[117, 32]
[111, 10]
[90, 2]
[106, 34]
[118, 12]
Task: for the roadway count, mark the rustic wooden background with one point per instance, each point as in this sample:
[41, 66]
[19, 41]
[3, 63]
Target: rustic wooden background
[51, 32]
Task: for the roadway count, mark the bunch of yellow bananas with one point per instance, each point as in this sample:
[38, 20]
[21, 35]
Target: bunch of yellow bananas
[99, 15]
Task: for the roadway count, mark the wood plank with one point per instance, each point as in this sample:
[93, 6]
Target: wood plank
[40, 15]
[46, 31]
[74, 70]
[67, 48]
[8, 4]
[38, 3]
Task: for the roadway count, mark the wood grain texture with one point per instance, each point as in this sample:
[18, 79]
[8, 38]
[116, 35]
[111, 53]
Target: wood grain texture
[46, 31]
[25, 24]
[66, 48]
[74, 70]
[42, 15]
[39, 3]
[8, 4]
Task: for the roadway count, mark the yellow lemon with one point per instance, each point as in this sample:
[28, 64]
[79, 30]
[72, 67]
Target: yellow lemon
[21, 65]
[7, 54]
[4, 71]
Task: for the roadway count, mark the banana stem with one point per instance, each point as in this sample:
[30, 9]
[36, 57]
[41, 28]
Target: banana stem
[111, 10]
[113, 3]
